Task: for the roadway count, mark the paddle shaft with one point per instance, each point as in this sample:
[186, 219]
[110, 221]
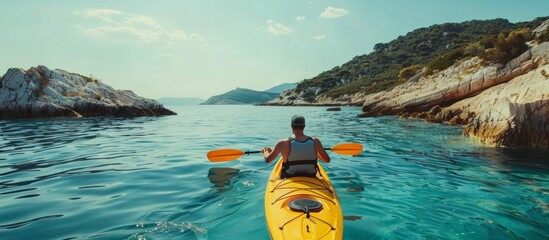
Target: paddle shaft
[223, 155]
[251, 152]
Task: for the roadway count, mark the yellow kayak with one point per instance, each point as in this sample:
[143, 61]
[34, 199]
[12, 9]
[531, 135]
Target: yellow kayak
[302, 207]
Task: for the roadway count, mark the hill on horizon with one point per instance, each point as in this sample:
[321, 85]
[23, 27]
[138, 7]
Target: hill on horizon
[241, 96]
[281, 88]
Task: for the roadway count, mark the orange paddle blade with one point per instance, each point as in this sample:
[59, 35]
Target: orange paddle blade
[347, 148]
[223, 155]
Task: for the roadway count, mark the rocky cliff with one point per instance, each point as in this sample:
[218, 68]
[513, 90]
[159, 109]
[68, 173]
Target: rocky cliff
[496, 85]
[500, 106]
[41, 92]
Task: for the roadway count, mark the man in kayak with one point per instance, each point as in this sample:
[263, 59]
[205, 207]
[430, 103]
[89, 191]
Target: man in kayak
[299, 152]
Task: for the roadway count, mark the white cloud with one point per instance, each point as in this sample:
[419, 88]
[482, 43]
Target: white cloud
[277, 28]
[166, 56]
[331, 12]
[300, 18]
[123, 34]
[196, 37]
[103, 14]
[319, 37]
[176, 35]
[148, 21]
[121, 27]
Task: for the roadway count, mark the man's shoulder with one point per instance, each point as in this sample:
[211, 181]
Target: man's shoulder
[283, 144]
[285, 140]
[315, 139]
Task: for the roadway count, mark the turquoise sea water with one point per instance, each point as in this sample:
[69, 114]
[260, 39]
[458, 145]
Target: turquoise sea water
[148, 178]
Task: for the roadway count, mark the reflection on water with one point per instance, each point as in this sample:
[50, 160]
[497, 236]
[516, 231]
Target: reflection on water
[352, 218]
[221, 177]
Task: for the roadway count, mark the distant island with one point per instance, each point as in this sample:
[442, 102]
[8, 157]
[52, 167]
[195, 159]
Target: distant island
[40, 92]
[241, 96]
[238, 96]
[180, 101]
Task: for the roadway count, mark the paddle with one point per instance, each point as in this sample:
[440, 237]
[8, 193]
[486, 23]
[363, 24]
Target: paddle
[224, 155]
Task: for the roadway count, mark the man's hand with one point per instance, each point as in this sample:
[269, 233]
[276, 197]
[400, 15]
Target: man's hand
[266, 151]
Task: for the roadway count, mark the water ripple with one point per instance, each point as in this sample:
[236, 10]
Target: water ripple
[23, 223]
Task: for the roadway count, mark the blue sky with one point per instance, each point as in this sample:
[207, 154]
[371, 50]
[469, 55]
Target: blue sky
[202, 48]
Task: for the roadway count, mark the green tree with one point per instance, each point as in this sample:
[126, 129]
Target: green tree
[408, 72]
[543, 37]
[509, 46]
[380, 46]
[445, 61]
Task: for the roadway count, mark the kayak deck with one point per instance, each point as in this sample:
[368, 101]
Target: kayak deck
[311, 221]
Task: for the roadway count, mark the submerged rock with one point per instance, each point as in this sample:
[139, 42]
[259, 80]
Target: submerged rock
[41, 92]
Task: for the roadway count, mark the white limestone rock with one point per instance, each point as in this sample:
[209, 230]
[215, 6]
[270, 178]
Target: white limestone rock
[41, 92]
[507, 107]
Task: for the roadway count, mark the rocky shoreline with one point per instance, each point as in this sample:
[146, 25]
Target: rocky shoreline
[40, 92]
[507, 107]
[501, 106]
